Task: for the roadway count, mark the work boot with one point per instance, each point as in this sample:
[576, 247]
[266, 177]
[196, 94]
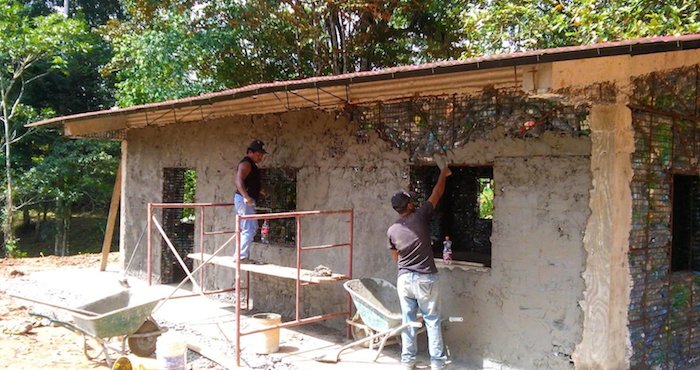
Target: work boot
[408, 365]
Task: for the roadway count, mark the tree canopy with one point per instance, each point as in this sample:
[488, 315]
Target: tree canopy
[30, 47]
[497, 26]
[177, 48]
[174, 48]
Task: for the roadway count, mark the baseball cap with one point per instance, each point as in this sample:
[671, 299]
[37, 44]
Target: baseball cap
[257, 146]
[400, 199]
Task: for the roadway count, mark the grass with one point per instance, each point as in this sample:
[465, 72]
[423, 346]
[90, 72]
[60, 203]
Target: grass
[86, 235]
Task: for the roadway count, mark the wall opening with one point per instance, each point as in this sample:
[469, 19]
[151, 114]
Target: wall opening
[465, 212]
[685, 250]
[179, 186]
[279, 195]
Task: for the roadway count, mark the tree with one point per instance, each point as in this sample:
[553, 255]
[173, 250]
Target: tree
[75, 172]
[177, 48]
[30, 47]
[497, 26]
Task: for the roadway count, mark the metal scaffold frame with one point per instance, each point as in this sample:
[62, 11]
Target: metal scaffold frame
[301, 276]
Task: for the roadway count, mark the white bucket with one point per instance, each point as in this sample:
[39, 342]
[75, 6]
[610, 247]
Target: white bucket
[171, 352]
[267, 341]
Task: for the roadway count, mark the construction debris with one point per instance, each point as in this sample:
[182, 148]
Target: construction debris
[321, 270]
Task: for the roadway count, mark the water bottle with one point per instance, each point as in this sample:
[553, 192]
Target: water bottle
[265, 232]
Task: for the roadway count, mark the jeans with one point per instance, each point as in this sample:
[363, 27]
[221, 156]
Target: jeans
[421, 292]
[248, 227]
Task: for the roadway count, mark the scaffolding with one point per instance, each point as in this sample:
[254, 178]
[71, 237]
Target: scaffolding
[302, 277]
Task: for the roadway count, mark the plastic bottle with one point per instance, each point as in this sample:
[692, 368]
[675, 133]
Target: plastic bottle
[265, 232]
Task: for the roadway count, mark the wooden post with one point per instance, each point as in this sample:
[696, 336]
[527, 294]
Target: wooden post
[111, 219]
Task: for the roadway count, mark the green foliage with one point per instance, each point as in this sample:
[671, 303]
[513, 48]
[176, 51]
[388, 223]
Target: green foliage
[485, 198]
[79, 172]
[495, 26]
[12, 249]
[30, 47]
[180, 48]
[26, 40]
[189, 195]
[162, 62]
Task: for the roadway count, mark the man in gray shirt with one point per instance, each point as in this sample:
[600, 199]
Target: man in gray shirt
[417, 284]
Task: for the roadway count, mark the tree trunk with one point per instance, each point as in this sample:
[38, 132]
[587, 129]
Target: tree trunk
[65, 245]
[9, 206]
[58, 227]
[26, 219]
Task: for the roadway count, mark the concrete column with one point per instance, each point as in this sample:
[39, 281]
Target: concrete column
[605, 343]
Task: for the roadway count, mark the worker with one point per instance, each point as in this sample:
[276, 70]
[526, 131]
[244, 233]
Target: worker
[248, 188]
[418, 284]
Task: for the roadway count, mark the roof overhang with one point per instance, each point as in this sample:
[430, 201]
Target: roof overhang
[335, 93]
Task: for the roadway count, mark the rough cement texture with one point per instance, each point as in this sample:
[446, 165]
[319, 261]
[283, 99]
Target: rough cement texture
[559, 282]
[606, 342]
[522, 312]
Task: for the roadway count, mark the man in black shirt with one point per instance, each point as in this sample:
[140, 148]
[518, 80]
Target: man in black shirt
[418, 284]
[248, 186]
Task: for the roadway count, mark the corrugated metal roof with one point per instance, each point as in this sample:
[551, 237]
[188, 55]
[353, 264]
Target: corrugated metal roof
[332, 92]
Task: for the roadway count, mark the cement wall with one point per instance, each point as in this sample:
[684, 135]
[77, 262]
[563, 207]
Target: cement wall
[521, 313]
[557, 293]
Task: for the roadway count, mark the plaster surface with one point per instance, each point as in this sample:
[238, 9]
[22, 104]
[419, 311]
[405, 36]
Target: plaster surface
[557, 293]
[521, 313]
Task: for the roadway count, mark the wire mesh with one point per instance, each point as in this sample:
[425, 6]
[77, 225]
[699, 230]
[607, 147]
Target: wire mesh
[280, 195]
[428, 125]
[182, 232]
[663, 311]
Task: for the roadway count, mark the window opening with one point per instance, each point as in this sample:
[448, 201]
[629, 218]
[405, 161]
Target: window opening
[685, 249]
[179, 186]
[465, 212]
[279, 195]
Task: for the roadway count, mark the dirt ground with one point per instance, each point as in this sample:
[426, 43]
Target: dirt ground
[28, 342]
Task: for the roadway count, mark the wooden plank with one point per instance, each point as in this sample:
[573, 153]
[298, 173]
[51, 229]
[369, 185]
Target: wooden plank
[307, 276]
[111, 219]
[94, 125]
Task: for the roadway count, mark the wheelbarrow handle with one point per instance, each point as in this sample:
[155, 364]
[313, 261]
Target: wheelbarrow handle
[65, 324]
[74, 310]
[383, 334]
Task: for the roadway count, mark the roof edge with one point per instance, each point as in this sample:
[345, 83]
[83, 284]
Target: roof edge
[631, 47]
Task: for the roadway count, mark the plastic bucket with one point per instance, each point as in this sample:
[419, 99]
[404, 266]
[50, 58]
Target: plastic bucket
[171, 352]
[267, 341]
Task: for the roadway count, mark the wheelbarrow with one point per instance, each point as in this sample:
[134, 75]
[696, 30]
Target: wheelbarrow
[378, 316]
[124, 315]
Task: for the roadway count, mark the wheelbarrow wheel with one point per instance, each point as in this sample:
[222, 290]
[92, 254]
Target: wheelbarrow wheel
[145, 345]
